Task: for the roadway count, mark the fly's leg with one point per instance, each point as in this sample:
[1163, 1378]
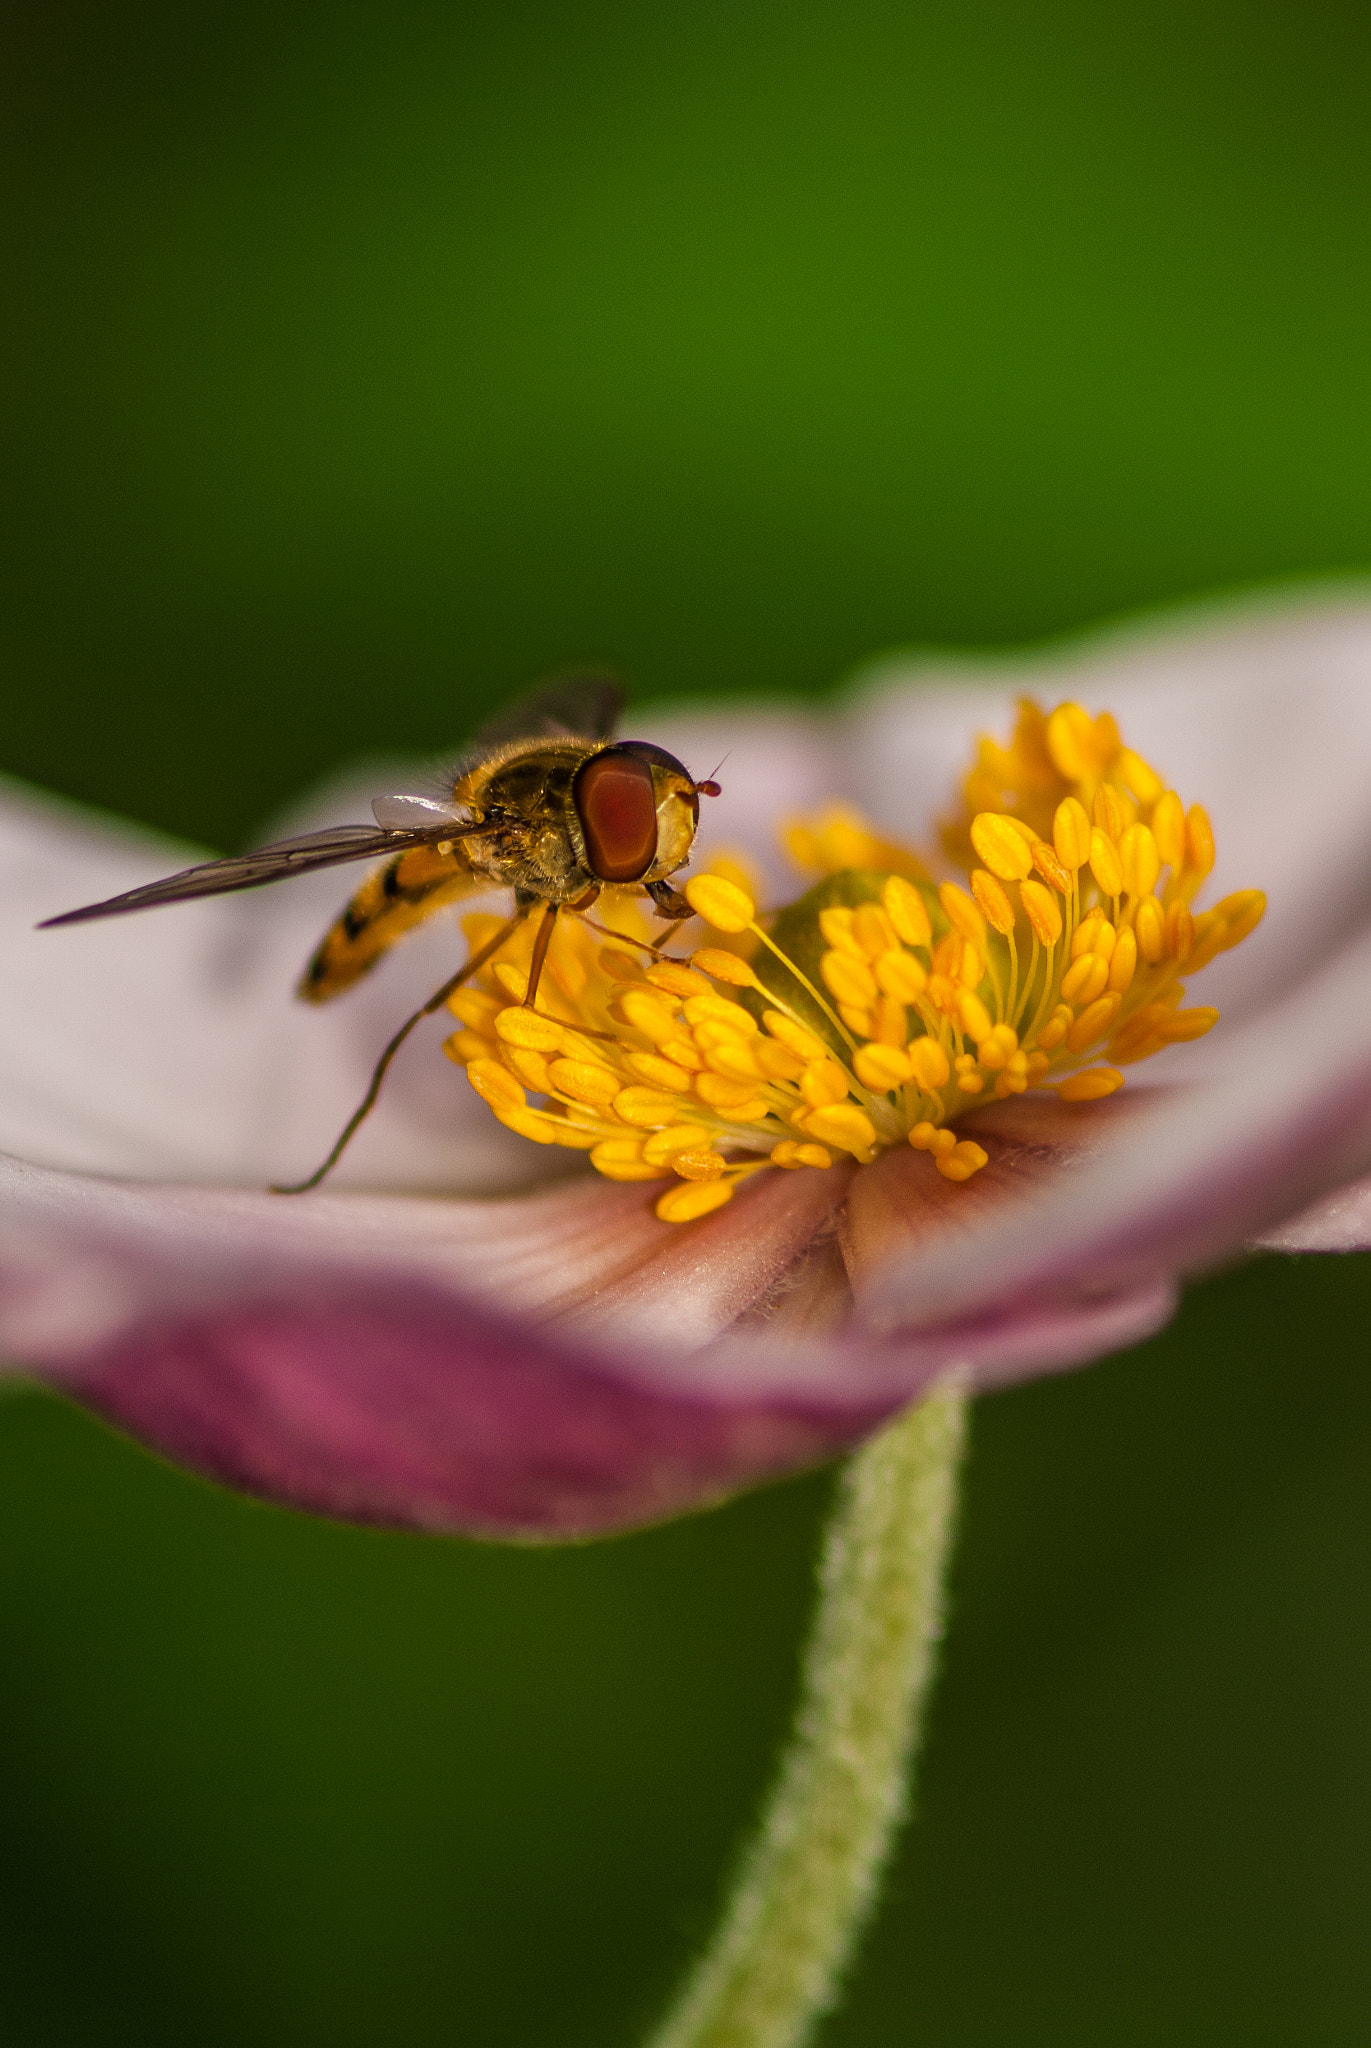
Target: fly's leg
[435, 1002]
[542, 939]
[669, 902]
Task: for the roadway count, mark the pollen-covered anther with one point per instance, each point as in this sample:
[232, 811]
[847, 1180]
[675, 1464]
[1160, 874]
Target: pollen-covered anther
[665, 1146]
[843, 1125]
[1139, 861]
[657, 1070]
[699, 1165]
[967, 1074]
[962, 914]
[1092, 1023]
[932, 1069]
[962, 1161]
[1168, 829]
[790, 1154]
[1105, 865]
[1071, 834]
[1002, 846]
[721, 903]
[907, 911]
[1085, 979]
[1051, 869]
[848, 977]
[1090, 1085]
[1042, 911]
[527, 1028]
[822, 1083]
[684, 1204]
[998, 1047]
[726, 967]
[882, 1067]
[994, 906]
[622, 1159]
[584, 1080]
[1199, 841]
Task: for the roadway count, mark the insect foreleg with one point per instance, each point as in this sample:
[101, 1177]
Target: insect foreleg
[435, 1002]
[669, 902]
[542, 939]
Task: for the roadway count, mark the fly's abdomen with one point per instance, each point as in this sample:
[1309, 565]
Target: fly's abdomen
[390, 902]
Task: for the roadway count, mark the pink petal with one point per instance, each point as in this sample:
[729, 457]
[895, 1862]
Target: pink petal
[1337, 1222]
[552, 1365]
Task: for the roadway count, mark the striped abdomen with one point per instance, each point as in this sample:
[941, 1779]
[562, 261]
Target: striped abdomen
[389, 903]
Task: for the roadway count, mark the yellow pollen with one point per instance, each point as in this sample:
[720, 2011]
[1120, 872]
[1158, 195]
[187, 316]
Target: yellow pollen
[1001, 846]
[848, 978]
[1199, 841]
[881, 1007]
[1105, 865]
[962, 1161]
[720, 903]
[1045, 860]
[685, 1204]
[724, 967]
[1040, 908]
[907, 911]
[994, 906]
[1139, 860]
[1071, 833]
[962, 914]
[1168, 829]
[1108, 811]
[1149, 930]
[1090, 1085]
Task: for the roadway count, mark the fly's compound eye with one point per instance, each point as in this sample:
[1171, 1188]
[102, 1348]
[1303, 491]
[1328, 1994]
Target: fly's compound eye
[616, 803]
[689, 791]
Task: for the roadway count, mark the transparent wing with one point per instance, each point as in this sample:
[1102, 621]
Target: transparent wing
[311, 850]
[584, 705]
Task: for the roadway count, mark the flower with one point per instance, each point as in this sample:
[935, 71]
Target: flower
[468, 1332]
[879, 1007]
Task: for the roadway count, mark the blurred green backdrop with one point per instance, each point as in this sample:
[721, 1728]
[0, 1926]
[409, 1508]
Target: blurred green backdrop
[364, 360]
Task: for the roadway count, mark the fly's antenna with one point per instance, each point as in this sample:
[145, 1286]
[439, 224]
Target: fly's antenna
[710, 786]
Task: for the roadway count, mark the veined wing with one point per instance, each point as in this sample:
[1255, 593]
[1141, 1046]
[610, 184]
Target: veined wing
[327, 849]
[583, 706]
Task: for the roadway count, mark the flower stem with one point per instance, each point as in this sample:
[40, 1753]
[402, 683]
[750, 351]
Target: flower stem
[810, 1878]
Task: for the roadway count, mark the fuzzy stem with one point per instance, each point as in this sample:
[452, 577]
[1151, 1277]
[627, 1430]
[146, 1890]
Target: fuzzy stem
[810, 1879]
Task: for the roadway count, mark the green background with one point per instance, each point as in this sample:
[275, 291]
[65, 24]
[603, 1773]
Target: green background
[366, 360]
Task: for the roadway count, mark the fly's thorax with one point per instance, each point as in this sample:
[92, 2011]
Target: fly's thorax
[525, 794]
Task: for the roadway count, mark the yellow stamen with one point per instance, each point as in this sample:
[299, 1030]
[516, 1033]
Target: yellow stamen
[684, 1204]
[724, 967]
[962, 1161]
[1001, 846]
[1090, 1085]
[1168, 829]
[720, 903]
[907, 911]
[1040, 908]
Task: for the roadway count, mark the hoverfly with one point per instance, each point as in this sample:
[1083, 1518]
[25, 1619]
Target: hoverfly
[544, 802]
